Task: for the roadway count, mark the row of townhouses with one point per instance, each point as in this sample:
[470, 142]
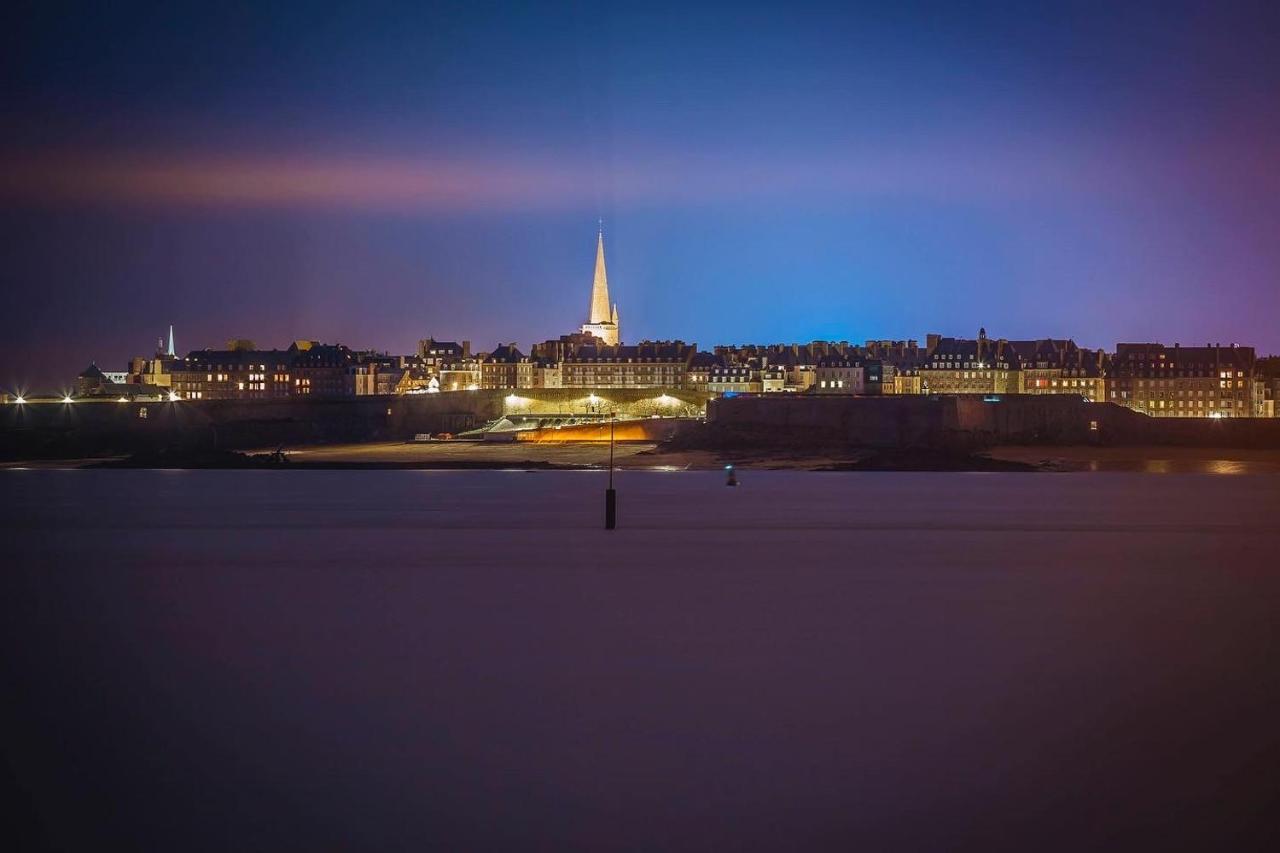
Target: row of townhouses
[1162, 381]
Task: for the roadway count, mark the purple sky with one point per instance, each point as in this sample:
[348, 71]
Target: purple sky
[375, 175]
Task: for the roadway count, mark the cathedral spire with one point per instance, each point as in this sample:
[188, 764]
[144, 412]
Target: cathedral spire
[599, 285]
[601, 321]
[171, 353]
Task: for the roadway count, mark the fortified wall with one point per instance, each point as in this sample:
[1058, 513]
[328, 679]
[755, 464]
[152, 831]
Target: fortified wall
[93, 427]
[969, 422]
[89, 428]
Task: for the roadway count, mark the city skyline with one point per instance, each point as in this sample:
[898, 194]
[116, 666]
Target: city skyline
[60, 385]
[1210, 382]
[1105, 176]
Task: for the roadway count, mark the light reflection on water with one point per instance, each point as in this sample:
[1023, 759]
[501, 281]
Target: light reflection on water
[1181, 466]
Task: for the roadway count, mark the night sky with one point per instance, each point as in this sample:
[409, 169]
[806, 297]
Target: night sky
[377, 174]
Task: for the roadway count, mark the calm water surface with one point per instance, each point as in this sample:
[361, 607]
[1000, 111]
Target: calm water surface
[402, 660]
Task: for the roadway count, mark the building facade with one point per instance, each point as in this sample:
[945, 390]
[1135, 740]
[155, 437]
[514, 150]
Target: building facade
[1052, 366]
[1184, 382]
[240, 372]
[650, 364]
[964, 366]
[840, 374]
[506, 367]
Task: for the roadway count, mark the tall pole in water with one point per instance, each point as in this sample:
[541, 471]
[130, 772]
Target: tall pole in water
[610, 496]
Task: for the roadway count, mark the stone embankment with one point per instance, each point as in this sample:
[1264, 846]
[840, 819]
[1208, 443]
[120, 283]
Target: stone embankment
[959, 423]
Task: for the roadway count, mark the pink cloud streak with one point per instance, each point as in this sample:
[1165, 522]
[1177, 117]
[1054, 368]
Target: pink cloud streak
[937, 172]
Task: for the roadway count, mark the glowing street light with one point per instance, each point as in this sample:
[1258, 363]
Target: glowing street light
[19, 399]
[173, 397]
[66, 398]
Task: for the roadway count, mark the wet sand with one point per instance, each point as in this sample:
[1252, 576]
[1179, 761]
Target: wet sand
[467, 454]
[651, 456]
[1149, 460]
[635, 456]
[472, 454]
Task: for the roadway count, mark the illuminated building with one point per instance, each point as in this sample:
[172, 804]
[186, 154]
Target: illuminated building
[650, 364]
[1052, 366]
[449, 364]
[847, 374]
[698, 374]
[966, 366]
[900, 363]
[795, 364]
[240, 372]
[1266, 388]
[773, 379]
[436, 353]
[379, 373]
[94, 383]
[602, 321]
[1184, 382]
[733, 379]
[506, 367]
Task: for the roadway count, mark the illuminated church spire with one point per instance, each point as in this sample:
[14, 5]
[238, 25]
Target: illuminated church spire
[599, 285]
[171, 353]
[601, 322]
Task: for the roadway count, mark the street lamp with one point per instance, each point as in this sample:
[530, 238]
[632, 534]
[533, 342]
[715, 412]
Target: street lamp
[611, 496]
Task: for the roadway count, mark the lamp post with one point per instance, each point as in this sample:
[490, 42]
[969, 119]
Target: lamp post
[611, 496]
